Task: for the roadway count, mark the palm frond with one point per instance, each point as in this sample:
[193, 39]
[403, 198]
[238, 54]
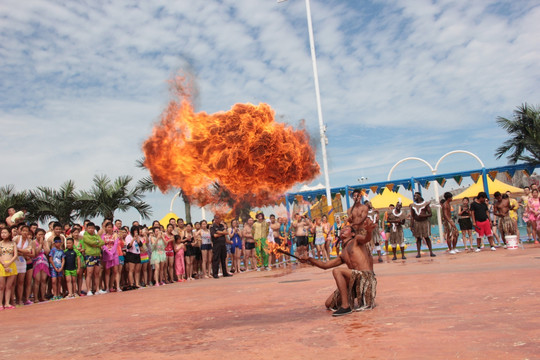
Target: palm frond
[524, 132]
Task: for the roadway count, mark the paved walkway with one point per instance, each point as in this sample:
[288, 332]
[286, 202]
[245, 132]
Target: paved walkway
[466, 306]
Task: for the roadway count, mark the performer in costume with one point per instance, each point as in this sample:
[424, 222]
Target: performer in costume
[397, 218]
[376, 238]
[420, 224]
[356, 284]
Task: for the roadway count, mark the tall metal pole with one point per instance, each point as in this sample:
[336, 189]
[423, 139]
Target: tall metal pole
[322, 130]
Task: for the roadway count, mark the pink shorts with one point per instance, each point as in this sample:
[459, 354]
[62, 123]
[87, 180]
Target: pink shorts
[483, 228]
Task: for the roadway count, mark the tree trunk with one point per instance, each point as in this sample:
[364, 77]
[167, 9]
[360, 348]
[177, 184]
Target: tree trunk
[187, 205]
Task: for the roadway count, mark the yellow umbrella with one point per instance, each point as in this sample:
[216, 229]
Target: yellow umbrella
[493, 186]
[382, 201]
[165, 220]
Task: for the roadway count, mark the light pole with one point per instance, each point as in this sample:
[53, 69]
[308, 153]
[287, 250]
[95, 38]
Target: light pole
[322, 127]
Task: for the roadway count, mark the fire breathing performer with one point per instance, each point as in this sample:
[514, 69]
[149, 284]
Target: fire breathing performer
[356, 284]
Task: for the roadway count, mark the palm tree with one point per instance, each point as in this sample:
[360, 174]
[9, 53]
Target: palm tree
[10, 198]
[62, 204]
[524, 131]
[147, 184]
[106, 197]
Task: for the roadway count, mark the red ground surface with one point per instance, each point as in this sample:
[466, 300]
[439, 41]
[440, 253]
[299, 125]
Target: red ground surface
[465, 306]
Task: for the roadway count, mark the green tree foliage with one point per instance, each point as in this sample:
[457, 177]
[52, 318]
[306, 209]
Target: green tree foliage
[62, 204]
[107, 196]
[10, 198]
[524, 131]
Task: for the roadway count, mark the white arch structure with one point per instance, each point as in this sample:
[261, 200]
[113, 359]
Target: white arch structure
[434, 172]
[203, 211]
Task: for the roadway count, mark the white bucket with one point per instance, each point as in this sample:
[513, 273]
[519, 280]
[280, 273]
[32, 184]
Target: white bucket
[512, 242]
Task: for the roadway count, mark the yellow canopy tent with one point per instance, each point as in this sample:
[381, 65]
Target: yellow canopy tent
[493, 186]
[382, 201]
[165, 220]
[320, 208]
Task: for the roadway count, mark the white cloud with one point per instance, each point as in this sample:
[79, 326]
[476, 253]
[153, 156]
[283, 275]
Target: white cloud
[83, 84]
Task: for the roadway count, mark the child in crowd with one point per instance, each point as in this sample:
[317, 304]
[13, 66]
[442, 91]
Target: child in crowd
[158, 255]
[179, 258]
[146, 269]
[133, 257]
[41, 266]
[57, 262]
[77, 245]
[110, 256]
[206, 249]
[189, 254]
[72, 263]
[91, 244]
[169, 253]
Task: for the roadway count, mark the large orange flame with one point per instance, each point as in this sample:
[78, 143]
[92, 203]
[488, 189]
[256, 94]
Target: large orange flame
[241, 156]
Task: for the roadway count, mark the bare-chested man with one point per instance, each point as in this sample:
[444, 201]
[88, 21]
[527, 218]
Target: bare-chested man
[450, 230]
[275, 226]
[502, 209]
[376, 238]
[356, 284]
[249, 245]
[15, 220]
[358, 213]
[420, 225]
[300, 225]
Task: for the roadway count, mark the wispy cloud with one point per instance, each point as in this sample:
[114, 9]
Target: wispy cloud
[82, 84]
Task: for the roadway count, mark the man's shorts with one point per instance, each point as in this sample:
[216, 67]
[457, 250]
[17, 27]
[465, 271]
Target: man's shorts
[483, 228]
[70, 272]
[55, 274]
[92, 261]
[301, 241]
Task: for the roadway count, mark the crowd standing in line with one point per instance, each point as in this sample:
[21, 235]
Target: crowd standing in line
[72, 260]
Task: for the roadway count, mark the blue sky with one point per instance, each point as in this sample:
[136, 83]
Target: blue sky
[83, 84]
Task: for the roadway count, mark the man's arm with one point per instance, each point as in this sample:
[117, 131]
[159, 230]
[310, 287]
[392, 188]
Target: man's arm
[364, 235]
[320, 264]
[428, 212]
